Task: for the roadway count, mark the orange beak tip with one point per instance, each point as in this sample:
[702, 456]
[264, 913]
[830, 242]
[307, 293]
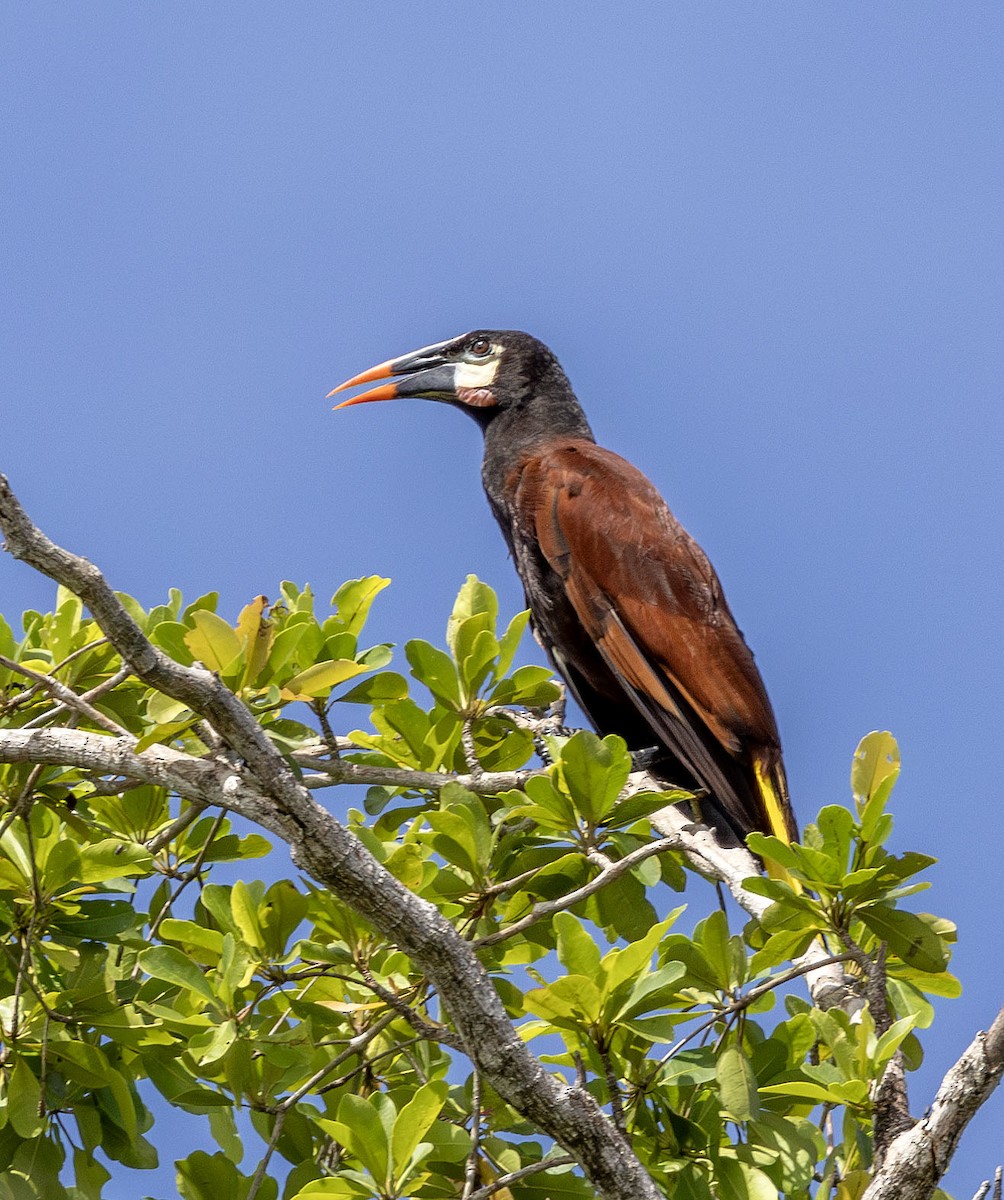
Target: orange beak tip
[386, 391]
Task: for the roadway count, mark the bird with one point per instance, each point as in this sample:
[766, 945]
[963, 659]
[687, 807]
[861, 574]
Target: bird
[623, 600]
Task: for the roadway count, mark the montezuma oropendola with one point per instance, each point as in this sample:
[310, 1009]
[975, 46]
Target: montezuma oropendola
[624, 601]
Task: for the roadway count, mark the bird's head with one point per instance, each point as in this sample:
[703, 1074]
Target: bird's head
[485, 372]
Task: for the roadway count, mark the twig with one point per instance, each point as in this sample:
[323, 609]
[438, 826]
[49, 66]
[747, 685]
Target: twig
[562, 1160]
[891, 1104]
[29, 693]
[397, 1048]
[354, 1047]
[191, 814]
[67, 696]
[430, 1030]
[613, 1091]
[740, 1003]
[606, 876]
[22, 805]
[191, 874]
[470, 750]
[919, 1157]
[471, 1170]
[273, 1141]
[487, 783]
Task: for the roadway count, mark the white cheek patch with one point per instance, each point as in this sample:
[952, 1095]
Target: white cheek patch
[476, 375]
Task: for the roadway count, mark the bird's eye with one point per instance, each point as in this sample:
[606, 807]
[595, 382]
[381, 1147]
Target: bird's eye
[479, 347]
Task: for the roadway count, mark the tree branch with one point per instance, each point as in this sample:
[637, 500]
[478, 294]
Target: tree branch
[918, 1158]
[733, 865]
[607, 875]
[336, 859]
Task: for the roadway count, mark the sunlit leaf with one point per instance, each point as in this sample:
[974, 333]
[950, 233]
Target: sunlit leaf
[212, 641]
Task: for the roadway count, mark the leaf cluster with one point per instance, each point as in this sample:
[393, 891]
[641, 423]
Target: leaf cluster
[127, 963]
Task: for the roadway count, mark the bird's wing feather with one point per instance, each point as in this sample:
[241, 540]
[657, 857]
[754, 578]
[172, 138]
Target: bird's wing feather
[650, 601]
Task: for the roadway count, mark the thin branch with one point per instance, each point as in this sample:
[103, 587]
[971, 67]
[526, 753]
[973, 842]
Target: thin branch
[67, 696]
[486, 783]
[613, 1091]
[562, 1160]
[891, 1104]
[430, 1030]
[471, 1169]
[470, 750]
[919, 1157]
[606, 876]
[192, 874]
[178, 825]
[740, 1003]
[397, 1048]
[30, 693]
[273, 1141]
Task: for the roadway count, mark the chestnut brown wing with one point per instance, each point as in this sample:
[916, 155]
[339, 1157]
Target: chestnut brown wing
[651, 603]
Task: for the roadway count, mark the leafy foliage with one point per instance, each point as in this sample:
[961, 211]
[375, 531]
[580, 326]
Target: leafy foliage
[129, 969]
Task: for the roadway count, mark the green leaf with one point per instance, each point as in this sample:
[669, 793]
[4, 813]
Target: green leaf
[574, 997]
[436, 670]
[388, 685]
[362, 1132]
[836, 825]
[81, 1061]
[594, 771]
[24, 1097]
[244, 900]
[737, 1085]
[114, 859]
[908, 937]
[414, 1121]
[319, 679]
[116, 1100]
[170, 637]
[550, 808]
[475, 599]
[210, 1046]
[873, 773]
[531, 687]
[164, 733]
[169, 964]
[577, 952]
[204, 943]
[461, 831]
[509, 642]
[712, 935]
[353, 600]
[803, 1089]
[202, 1176]
[160, 708]
[476, 658]
[658, 989]
[891, 1040]
[741, 1181]
[212, 641]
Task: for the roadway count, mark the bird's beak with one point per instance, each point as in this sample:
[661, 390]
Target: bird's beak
[426, 373]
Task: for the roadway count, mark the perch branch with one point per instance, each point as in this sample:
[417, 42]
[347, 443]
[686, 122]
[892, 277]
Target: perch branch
[336, 859]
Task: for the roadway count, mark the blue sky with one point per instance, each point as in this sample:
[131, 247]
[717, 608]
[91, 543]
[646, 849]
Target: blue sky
[764, 240]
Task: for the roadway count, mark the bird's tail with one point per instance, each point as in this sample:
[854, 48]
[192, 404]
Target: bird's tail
[773, 788]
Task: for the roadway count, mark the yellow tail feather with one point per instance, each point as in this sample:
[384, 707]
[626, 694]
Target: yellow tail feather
[776, 806]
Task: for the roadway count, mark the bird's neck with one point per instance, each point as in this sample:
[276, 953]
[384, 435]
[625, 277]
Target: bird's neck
[550, 413]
